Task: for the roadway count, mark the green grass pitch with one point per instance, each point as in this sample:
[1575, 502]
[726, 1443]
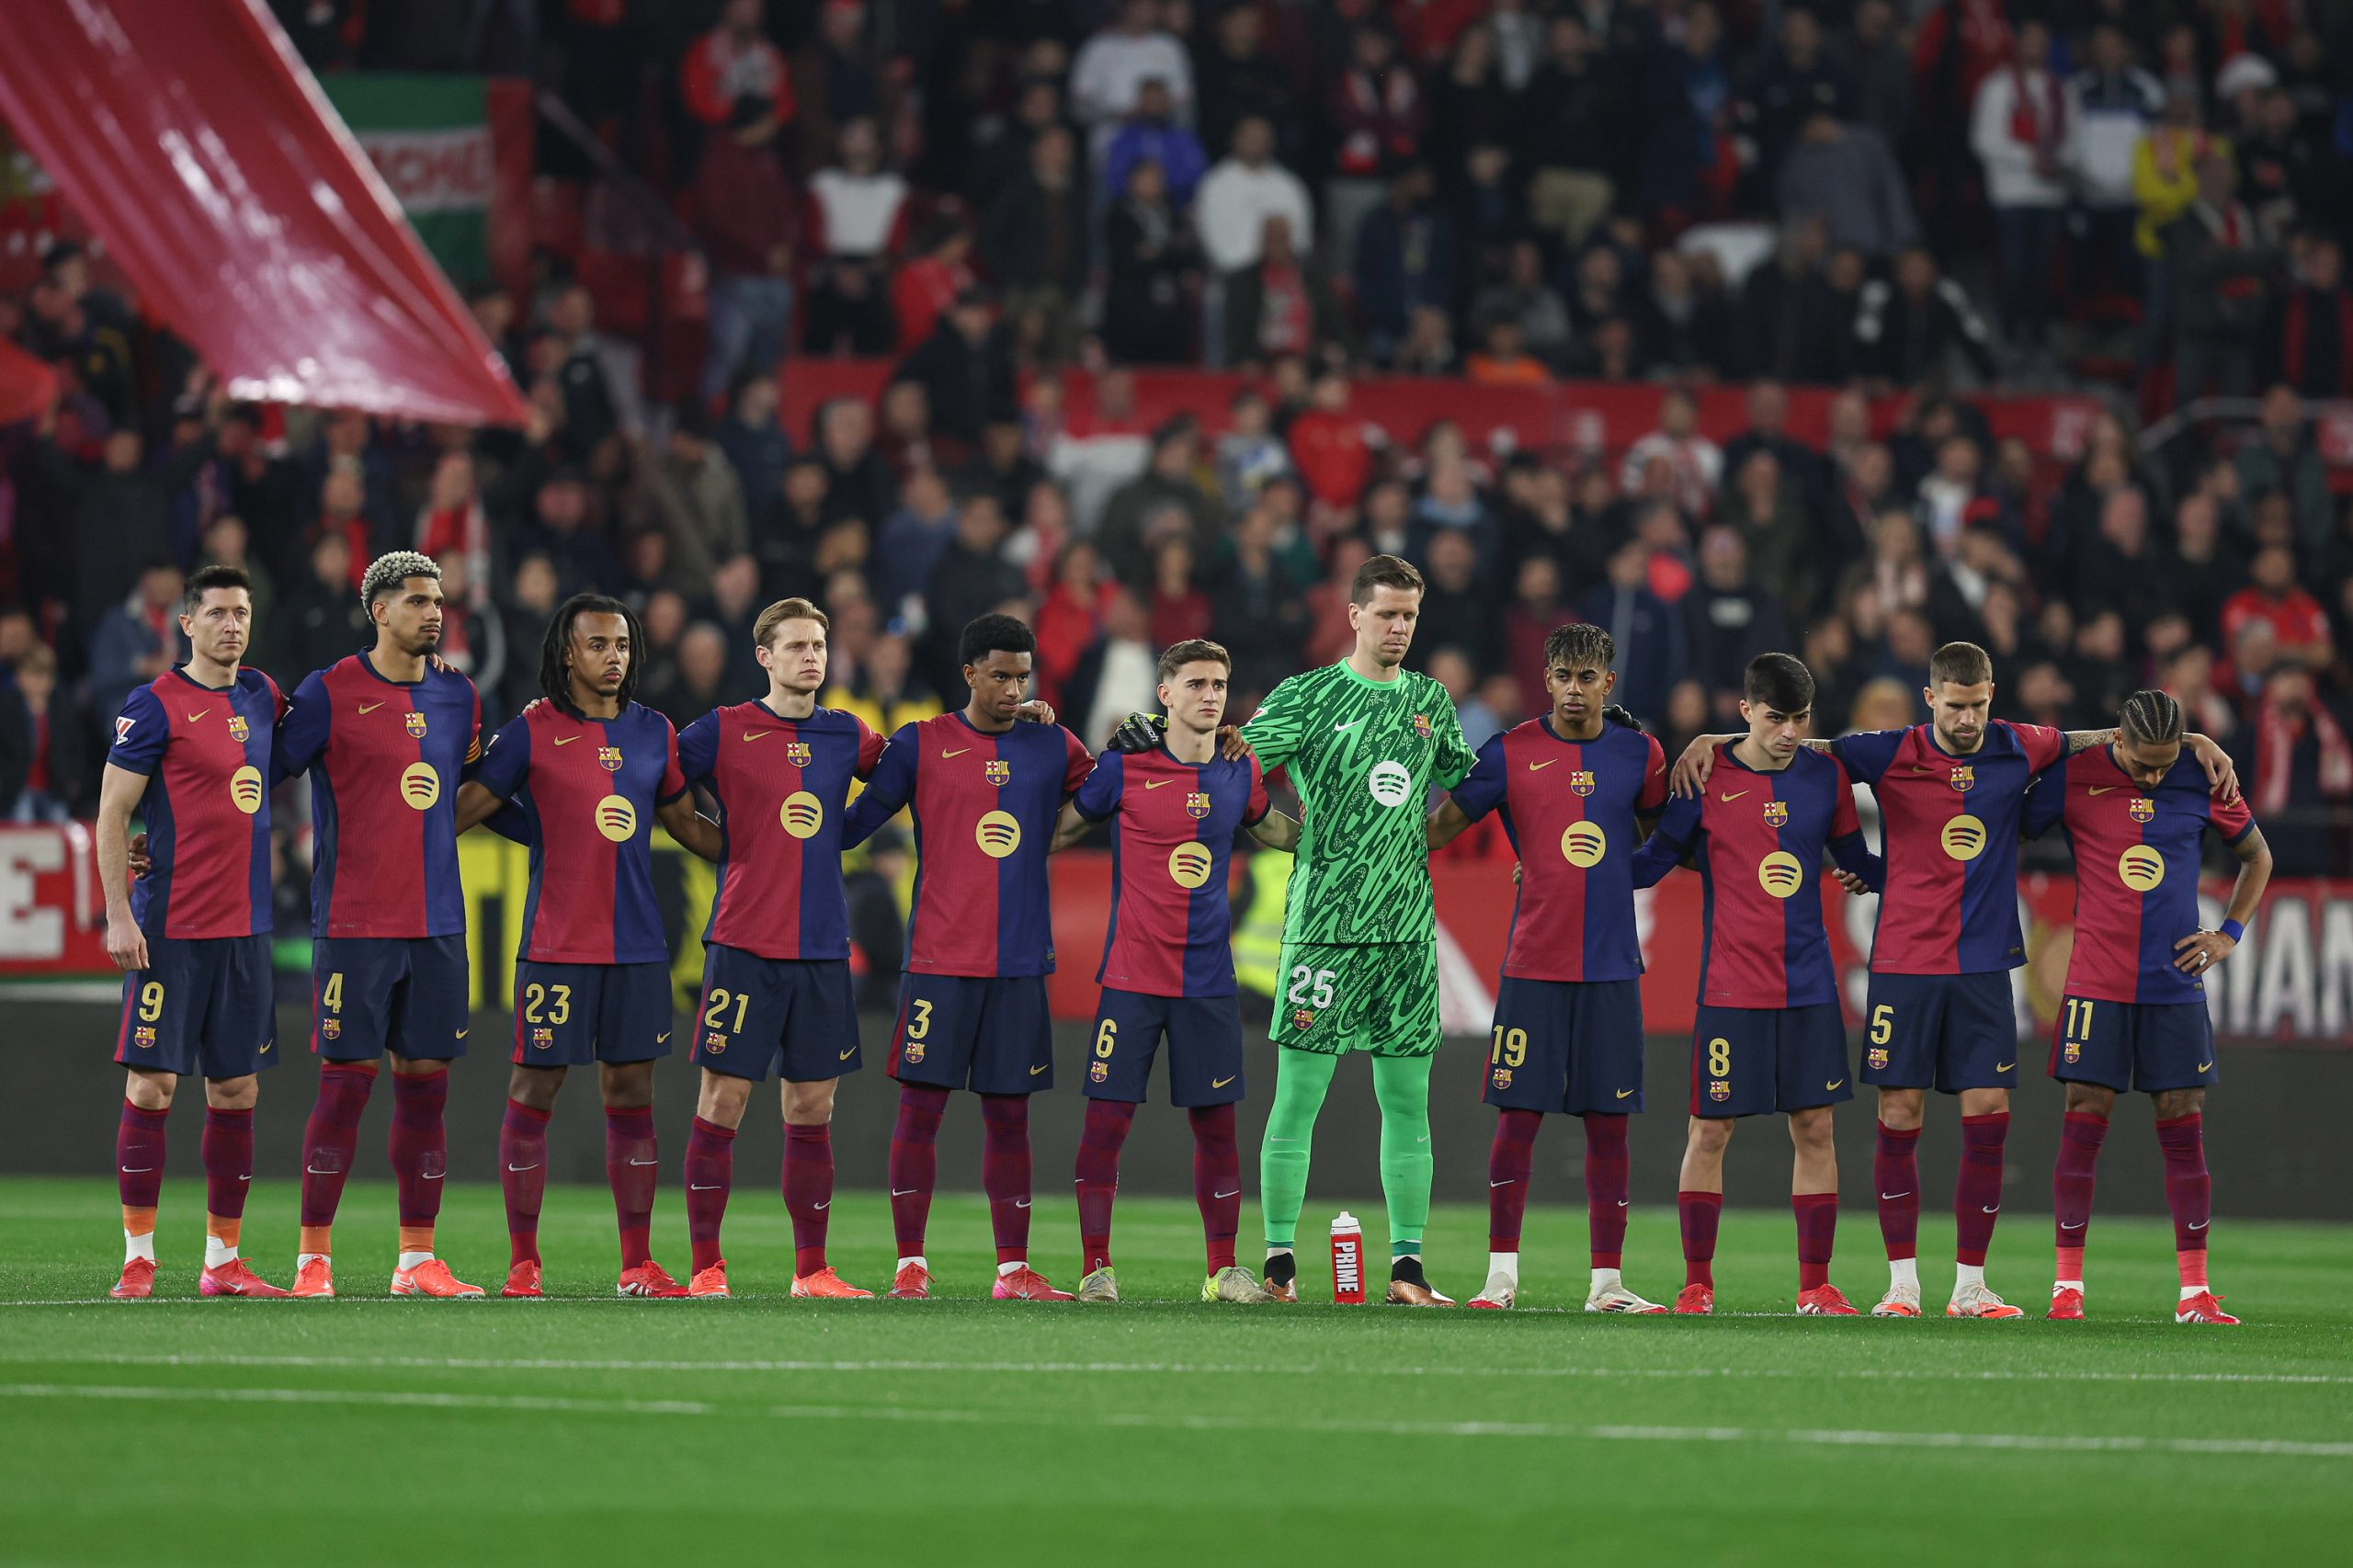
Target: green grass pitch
[582, 1430]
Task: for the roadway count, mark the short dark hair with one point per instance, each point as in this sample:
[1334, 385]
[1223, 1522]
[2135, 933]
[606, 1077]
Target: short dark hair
[1193, 650]
[1779, 682]
[1963, 664]
[206, 578]
[1383, 572]
[555, 685]
[2150, 718]
[1577, 642]
[993, 634]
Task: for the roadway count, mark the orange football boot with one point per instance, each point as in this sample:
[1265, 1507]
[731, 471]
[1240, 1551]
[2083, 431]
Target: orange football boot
[523, 1279]
[315, 1278]
[829, 1286]
[1026, 1284]
[1695, 1301]
[912, 1283]
[648, 1280]
[234, 1278]
[2204, 1307]
[711, 1281]
[138, 1282]
[432, 1278]
[1826, 1302]
[2067, 1305]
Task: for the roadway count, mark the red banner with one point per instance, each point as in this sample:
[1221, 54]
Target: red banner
[193, 140]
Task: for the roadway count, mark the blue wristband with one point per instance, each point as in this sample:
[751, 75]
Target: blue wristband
[2234, 931]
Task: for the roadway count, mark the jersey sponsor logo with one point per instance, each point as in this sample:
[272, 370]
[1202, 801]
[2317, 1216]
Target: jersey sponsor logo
[1197, 805]
[239, 731]
[998, 834]
[1583, 844]
[2143, 809]
[2141, 868]
[245, 791]
[797, 754]
[1422, 725]
[1189, 865]
[1780, 873]
[1963, 838]
[123, 728]
[414, 723]
[998, 772]
[609, 758]
[617, 819]
[368, 708]
[1777, 812]
[1581, 782]
[1964, 778]
[802, 814]
[1390, 783]
[420, 786]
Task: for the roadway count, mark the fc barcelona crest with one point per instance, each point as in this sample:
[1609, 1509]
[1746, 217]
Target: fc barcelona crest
[1301, 1018]
[2075, 1052]
[1777, 812]
[238, 728]
[1100, 1072]
[714, 1042]
[1878, 1056]
[332, 1029]
[1719, 1091]
[913, 1053]
[1964, 776]
[1197, 805]
[416, 722]
[1422, 725]
[1581, 783]
[2143, 809]
[542, 1039]
[998, 772]
[143, 1036]
[609, 758]
[796, 753]
[1502, 1078]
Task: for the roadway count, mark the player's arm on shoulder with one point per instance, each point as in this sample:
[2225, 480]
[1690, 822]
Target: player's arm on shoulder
[119, 792]
[1096, 797]
[1669, 842]
[1477, 792]
[1698, 759]
[1275, 732]
[1070, 828]
[2083, 740]
[1444, 825]
[2221, 773]
[303, 733]
[888, 788]
[696, 833]
[1452, 761]
[1276, 831]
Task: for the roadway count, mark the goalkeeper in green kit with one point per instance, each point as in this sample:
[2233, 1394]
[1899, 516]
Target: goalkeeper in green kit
[1364, 740]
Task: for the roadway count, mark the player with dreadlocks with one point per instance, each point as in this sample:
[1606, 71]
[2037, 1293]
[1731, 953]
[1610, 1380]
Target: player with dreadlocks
[1579, 790]
[588, 771]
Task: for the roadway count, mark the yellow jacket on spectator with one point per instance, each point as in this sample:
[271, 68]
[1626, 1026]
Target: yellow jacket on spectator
[2165, 178]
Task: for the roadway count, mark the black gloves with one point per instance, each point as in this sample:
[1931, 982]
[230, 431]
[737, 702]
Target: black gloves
[1618, 715]
[1140, 732]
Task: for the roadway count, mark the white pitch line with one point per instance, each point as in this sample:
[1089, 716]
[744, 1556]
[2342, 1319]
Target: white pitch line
[2015, 1442]
[1179, 1368]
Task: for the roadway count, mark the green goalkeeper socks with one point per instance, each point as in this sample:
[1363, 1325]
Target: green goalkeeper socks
[1302, 1079]
[1402, 1084]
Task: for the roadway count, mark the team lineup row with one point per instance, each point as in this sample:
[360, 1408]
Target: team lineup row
[390, 740]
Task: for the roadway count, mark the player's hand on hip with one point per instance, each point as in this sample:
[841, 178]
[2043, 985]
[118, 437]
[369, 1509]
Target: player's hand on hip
[1515, 873]
[2197, 953]
[1139, 731]
[1035, 712]
[137, 859]
[2221, 773]
[126, 943]
[1692, 770]
[1230, 743]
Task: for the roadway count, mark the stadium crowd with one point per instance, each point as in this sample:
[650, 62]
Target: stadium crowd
[1969, 193]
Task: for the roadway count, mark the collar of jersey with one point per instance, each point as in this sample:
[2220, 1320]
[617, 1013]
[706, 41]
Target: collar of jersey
[1762, 773]
[985, 734]
[1349, 670]
[1560, 739]
[181, 671]
[762, 704]
[370, 665]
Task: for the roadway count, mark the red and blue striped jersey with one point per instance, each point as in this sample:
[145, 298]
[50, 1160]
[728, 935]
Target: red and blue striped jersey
[2136, 870]
[205, 752]
[782, 786]
[1949, 827]
[1172, 837]
[587, 790]
[1571, 808]
[385, 758]
[983, 807]
[1758, 840]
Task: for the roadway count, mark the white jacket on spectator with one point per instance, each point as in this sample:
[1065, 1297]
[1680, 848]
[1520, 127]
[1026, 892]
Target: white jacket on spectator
[2012, 178]
[1112, 65]
[1233, 203]
[2107, 117]
[1696, 463]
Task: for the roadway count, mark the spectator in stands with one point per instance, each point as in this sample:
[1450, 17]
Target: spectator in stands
[226, 542]
[882, 687]
[859, 483]
[1636, 618]
[1794, 326]
[2166, 184]
[1846, 175]
[1152, 256]
[971, 578]
[138, 639]
[2302, 763]
[747, 217]
[1765, 508]
[1729, 617]
[1249, 454]
[693, 682]
[1522, 294]
[2217, 267]
[562, 529]
[1107, 79]
[941, 269]
[1166, 499]
[1117, 673]
[1376, 117]
[1571, 133]
[1282, 304]
[1909, 330]
[44, 745]
[1070, 615]
[1457, 608]
[1240, 194]
[1153, 134]
[753, 440]
[2017, 128]
[1257, 609]
[1687, 149]
[1405, 253]
[2281, 455]
[1695, 464]
[2299, 626]
[2282, 174]
[1239, 80]
[690, 494]
[735, 64]
[1034, 240]
[2110, 108]
[965, 367]
[1793, 81]
[598, 387]
[2315, 329]
[1178, 608]
[858, 210]
[839, 76]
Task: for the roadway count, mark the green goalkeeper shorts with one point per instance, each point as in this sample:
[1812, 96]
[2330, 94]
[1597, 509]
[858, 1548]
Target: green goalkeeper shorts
[1341, 996]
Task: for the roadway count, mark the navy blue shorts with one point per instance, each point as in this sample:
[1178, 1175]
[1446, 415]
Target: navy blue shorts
[988, 1033]
[1749, 1061]
[1564, 1045]
[569, 1015]
[407, 994]
[795, 1014]
[2149, 1047]
[1204, 1047]
[1949, 1032]
[204, 1004]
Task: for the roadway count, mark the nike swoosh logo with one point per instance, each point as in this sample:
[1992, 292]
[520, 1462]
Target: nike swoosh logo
[1743, 795]
[1541, 766]
[847, 1055]
[135, 1170]
[369, 707]
[2104, 788]
[1349, 725]
[198, 714]
[958, 751]
[1220, 1082]
[827, 1204]
[1156, 783]
[1834, 1083]
[1495, 1184]
[435, 1176]
[249, 1178]
[1035, 1071]
[2200, 1224]
[641, 1162]
[461, 1033]
[2204, 1065]
[1625, 1094]
[1892, 1196]
[904, 1192]
[516, 1169]
[751, 735]
[1235, 1193]
[1422, 1139]
[1991, 1209]
[565, 740]
[712, 1187]
[1625, 1203]
[2004, 1066]
[661, 1039]
[2076, 1226]
[307, 1170]
[1021, 1203]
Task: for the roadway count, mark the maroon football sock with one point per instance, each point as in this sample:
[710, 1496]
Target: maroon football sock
[1977, 1195]
[711, 1167]
[139, 1155]
[1817, 1215]
[1511, 1159]
[1099, 1142]
[523, 1175]
[2072, 1183]
[1005, 1172]
[1217, 1180]
[332, 1136]
[420, 1143]
[1699, 1212]
[1896, 1176]
[1606, 1187]
[2189, 1191]
[808, 1193]
[228, 1150]
[915, 1162]
[632, 1163]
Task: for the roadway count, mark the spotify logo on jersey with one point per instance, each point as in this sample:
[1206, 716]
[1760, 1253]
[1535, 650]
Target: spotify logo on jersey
[1965, 837]
[245, 789]
[801, 815]
[1780, 873]
[420, 786]
[1583, 843]
[999, 835]
[616, 819]
[1189, 865]
[2141, 868]
[1390, 783]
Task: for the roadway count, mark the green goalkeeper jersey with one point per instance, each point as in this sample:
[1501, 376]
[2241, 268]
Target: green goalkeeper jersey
[1362, 753]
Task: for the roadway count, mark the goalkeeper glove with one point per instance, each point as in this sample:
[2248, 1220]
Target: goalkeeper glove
[1140, 732]
[1617, 715]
